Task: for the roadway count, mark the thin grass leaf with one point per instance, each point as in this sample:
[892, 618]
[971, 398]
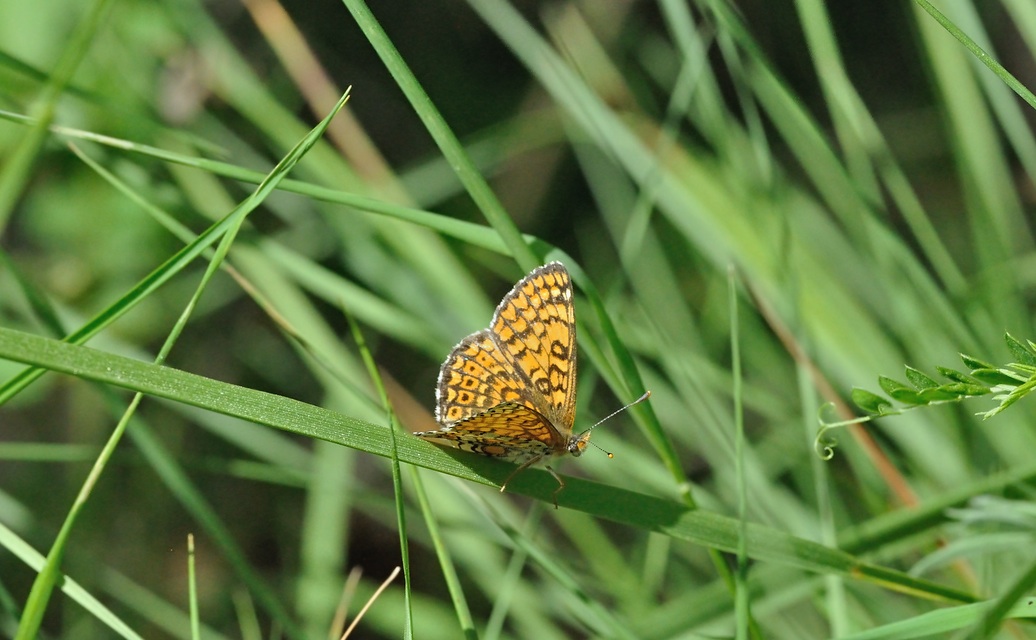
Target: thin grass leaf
[193, 592]
[450, 147]
[15, 172]
[935, 623]
[1011, 599]
[474, 234]
[153, 607]
[641, 511]
[982, 56]
[35, 560]
[47, 579]
[687, 127]
[42, 307]
[449, 570]
[397, 479]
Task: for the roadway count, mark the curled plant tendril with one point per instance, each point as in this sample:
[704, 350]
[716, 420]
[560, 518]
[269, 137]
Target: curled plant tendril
[829, 409]
[823, 445]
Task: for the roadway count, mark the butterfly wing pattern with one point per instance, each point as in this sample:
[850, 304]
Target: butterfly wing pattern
[509, 391]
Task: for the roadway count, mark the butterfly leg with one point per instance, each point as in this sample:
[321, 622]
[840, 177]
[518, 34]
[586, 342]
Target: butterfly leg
[561, 485]
[522, 467]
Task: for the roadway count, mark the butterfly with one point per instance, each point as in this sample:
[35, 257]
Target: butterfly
[509, 391]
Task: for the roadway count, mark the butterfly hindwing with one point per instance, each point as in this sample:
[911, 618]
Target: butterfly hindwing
[509, 431]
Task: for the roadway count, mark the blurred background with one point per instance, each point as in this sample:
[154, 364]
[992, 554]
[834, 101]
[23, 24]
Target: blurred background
[868, 179]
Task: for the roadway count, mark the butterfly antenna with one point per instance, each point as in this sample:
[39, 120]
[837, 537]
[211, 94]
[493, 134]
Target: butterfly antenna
[647, 394]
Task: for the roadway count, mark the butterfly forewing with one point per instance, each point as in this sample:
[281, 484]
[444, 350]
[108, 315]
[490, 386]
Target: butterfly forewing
[535, 326]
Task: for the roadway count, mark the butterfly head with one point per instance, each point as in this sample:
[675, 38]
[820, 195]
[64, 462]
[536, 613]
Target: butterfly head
[576, 444]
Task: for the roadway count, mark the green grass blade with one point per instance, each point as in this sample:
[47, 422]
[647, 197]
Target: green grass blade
[936, 623]
[15, 172]
[638, 510]
[12, 542]
[48, 578]
[397, 478]
[983, 57]
[449, 570]
[450, 147]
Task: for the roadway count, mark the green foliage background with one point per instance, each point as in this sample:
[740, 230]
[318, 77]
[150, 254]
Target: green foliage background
[865, 174]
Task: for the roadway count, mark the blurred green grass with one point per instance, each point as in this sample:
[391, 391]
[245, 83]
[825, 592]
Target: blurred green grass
[869, 180]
